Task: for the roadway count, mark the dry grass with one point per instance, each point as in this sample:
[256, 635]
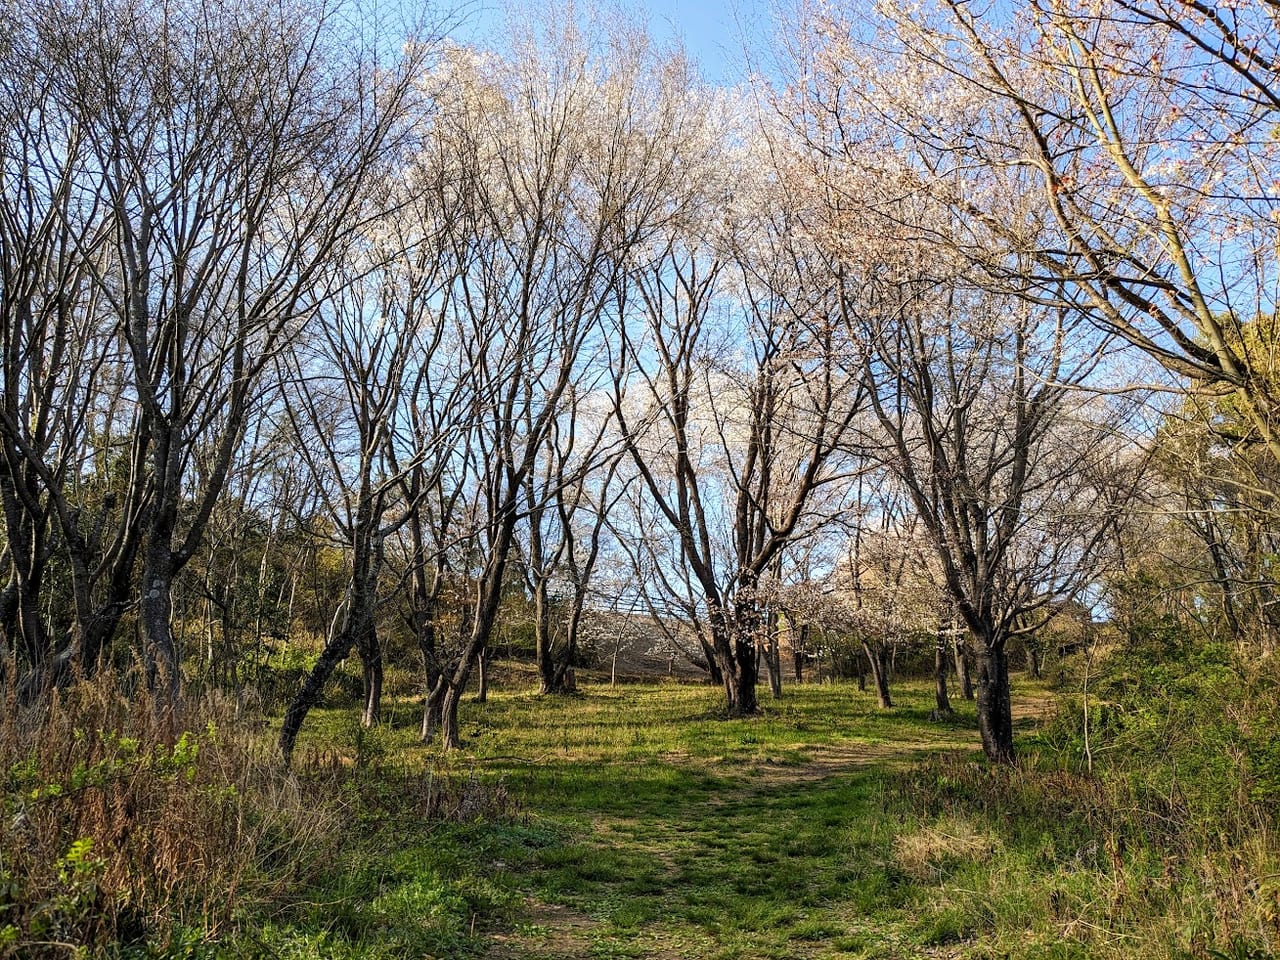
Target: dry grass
[925, 854]
[122, 824]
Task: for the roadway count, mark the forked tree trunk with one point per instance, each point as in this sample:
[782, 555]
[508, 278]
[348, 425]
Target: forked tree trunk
[879, 660]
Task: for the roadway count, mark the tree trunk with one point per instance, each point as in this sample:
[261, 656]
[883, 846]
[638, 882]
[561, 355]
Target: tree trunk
[741, 689]
[962, 667]
[335, 651]
[551, 669]
[715, 673]
[1034, 661]
[482, 622]
[736, 656]
[773, 657]
[482, 694]
[371, 662]
[995, 710]
[942, 701]
[155, 613]
[879, 660]
[798, 648]
[432, 709]
[449, 732]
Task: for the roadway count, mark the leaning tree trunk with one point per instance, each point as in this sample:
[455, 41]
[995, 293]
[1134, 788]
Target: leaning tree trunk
[995, 708]
[485, 617]
[879, 660]
[450, 731]
[335, 651]
[358, 632]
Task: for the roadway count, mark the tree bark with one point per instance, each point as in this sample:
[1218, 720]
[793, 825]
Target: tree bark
[432, 709]
[773, 656]
[962, 668]
[879, 660]
[335, 651]
[155, 613]
[942, 701]
[799, 646]
[371, 661]
[482, 694]
[995, 709]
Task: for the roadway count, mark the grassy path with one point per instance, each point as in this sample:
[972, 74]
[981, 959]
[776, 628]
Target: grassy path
[682, 835]
[635, 822]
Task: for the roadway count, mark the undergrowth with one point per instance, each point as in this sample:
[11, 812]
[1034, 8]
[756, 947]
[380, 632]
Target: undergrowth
[1155, 836]
[129, 833]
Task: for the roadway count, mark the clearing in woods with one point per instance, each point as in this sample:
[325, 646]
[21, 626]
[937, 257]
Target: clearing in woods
[645, 825]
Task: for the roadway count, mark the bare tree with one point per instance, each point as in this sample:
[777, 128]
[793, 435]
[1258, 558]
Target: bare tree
[568, 499]
[559, 147]
[738, 410]
[217, 155]
[1012, 473]
[1140, 126]
[373, 398]
[886, 584]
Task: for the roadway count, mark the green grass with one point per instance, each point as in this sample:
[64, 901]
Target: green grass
[671, 830]
[646, 825]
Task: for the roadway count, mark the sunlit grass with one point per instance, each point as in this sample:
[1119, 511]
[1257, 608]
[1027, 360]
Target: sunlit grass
[820, 829]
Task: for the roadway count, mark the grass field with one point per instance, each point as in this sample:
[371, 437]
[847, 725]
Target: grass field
[635, 822]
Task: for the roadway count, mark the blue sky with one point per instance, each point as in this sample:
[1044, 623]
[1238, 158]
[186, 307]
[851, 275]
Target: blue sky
[711, 31]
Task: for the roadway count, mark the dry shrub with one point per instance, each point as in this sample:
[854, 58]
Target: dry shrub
[927, 853]
[122, 824]
[466, 799]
